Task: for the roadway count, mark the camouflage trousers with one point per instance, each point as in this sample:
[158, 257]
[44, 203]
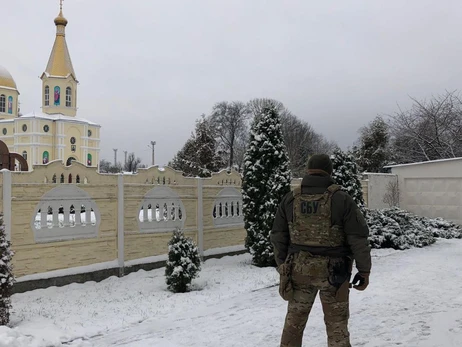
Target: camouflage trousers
[310, 276]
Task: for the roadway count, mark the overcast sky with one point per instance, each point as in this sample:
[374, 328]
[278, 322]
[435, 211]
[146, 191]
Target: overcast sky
[148, 68]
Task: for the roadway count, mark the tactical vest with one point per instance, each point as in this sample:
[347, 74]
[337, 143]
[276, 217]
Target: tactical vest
[312, 220]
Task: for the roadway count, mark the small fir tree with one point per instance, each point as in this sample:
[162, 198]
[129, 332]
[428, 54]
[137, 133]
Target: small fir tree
[199, 156]
[346, 174]
[183, 264]
[266, 179]
[6, 275]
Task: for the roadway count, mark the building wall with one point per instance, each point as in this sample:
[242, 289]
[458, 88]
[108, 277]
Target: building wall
[35, 141]
[13, 94]
[62, 83]
[375, 187]
[432, 189]
[44, 239]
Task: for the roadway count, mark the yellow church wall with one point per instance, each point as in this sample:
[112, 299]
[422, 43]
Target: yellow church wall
[9, 141]
[62, 83]
[24, 139]
[73, 130]
[93, 144]
[9, 126]
[45, 140]
[13, 94]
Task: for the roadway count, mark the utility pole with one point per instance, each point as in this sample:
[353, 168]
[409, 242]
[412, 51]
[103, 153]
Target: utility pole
[125, 162]
[153, 143]
[115, 156]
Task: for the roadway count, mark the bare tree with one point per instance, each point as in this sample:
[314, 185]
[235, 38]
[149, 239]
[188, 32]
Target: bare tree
[229, 122]
[301, 141]
[429, 130]
[256, 106]
[132, 163]
[391, 197]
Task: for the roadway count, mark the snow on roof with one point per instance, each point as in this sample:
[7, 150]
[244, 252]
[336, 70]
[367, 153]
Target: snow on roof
[423, 162]
[56, 117]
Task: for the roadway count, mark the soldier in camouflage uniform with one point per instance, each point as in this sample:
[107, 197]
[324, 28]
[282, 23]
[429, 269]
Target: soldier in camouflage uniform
[317, 233]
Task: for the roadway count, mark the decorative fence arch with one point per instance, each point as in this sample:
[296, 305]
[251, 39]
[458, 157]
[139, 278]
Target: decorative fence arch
[161, 210]
[66, 212]
[227, 208]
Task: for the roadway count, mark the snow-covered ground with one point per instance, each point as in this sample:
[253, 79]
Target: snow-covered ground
[414, 300]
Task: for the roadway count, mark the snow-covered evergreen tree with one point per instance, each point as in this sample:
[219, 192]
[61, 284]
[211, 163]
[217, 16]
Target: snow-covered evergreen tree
[346, 174]
[6, 275]
[183, 264]
[199, 156]
[266, 179]
[374, 151]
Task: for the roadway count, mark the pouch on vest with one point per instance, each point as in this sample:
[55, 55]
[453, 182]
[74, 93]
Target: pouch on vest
[286, 289]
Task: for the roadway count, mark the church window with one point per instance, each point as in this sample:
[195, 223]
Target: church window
[68, 97]
[10, 104]
[46, 128]
[57, 96]
[5, 131]
[89, 159]
[24, 155]
[46, 157]
[47, 96]
[24, 127]
[2, 103]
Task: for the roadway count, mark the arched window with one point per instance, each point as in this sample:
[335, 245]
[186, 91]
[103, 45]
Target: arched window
[10, 104]
[57, 96]
[68, 97]
[47, 96]
[2, 103]
[45, 157]
[89, 159]
[24, 155]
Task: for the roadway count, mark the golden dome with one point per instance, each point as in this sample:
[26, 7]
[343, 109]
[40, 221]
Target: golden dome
[60, 20]
[6, 80]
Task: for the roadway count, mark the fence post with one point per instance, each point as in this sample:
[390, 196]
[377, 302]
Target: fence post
[120, 224]
[7, 203]
[200, 217]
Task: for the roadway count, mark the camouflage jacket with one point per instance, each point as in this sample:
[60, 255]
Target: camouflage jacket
[345, 213]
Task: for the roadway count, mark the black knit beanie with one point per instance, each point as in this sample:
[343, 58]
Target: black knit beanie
[320, 164]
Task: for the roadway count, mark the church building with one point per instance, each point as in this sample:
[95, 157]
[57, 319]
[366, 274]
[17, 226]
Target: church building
[55, 133]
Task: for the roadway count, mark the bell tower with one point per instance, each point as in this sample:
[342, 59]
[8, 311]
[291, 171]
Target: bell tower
[59, 83]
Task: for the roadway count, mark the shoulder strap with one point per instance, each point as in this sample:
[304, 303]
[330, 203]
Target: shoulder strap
[297, 191]
[333, 188]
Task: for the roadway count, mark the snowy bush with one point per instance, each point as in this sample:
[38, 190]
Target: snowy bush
[183, 264]
[399, 229]
[346, 174]
[266, 179]
[6, 275]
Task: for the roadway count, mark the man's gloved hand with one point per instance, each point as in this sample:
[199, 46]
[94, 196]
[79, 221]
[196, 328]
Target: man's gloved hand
[362, 279]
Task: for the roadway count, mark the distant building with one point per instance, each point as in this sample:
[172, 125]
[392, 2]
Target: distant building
[55, 133]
